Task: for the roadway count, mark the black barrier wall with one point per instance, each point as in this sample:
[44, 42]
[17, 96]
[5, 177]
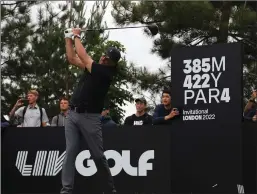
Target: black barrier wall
[249, 157]
[139, 159]
[32, 158]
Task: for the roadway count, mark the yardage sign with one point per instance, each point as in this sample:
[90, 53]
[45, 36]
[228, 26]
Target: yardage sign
[206, 81]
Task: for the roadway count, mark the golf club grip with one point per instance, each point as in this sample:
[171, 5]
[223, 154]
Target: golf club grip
[152, 28]
[115, 28]
[89, 30]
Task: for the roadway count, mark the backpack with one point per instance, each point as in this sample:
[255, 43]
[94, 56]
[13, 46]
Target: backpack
[41, 114]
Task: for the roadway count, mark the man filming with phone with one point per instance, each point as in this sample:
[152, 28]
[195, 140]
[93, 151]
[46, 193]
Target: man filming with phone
[164, 113]
[28, 109]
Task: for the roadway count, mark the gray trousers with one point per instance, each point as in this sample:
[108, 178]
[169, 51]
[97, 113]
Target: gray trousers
[89, 125]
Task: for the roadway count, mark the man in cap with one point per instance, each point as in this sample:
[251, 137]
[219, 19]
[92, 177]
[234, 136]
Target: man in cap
[86, 106]
[141, 117]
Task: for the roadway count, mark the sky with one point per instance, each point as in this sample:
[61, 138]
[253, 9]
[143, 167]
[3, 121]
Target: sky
[138, 50]
[138, 46]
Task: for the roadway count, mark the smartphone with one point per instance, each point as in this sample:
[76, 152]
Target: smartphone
[25, 102]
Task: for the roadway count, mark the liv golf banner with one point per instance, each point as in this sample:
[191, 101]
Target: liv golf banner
[207, 90]
[32, 160]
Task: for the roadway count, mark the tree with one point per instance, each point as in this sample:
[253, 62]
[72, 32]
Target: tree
[36, 59]
[16, 29]
[192, 23]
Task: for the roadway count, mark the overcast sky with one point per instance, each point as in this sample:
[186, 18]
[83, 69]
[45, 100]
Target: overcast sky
[138, 46]
[138, 49]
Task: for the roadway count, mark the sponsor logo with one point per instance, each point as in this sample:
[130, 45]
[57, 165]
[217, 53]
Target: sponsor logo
[49, 163]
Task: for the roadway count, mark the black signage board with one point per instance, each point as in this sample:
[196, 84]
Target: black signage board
[207, 90]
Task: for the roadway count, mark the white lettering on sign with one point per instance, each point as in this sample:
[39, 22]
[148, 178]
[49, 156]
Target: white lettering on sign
[49, 163]
[49, 166]
[198, 65]
[121, 162]
[202, 81]
[192, 115]
[213, 95]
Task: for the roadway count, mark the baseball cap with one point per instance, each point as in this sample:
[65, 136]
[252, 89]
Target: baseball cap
[113, 54]
[141, 100]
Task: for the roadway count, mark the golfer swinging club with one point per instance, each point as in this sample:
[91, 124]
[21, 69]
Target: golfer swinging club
[85, 107]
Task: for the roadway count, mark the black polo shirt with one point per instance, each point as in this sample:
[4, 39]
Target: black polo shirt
[93, 87]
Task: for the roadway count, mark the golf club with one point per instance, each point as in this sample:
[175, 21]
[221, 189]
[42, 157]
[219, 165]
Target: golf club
[153, 29]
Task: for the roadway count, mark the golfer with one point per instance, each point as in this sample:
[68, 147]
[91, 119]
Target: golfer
[85, 107]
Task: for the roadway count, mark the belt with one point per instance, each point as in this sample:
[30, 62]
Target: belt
[78, 109]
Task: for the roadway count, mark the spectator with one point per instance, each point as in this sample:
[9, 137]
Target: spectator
[251, 108]
[4, 122]
[106, 118]
[59, 120]
[141, 117]
[164, 113]
[32, 115]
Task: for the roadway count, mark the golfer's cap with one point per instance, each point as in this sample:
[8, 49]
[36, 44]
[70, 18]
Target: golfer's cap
[113, 54]
[141, 100]
[106, 108]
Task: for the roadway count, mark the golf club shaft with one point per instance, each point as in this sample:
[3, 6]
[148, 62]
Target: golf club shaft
[85, 30]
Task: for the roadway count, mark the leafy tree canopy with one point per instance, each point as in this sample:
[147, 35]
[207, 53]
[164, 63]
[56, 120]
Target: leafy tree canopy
[193, 23]
[33, 53]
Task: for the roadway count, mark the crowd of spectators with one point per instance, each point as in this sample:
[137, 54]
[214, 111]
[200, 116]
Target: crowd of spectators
[29, 114]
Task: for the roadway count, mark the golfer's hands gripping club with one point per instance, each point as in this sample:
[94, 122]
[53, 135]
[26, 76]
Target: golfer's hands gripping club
[71, 32]
[76, 31]
[68, 33]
